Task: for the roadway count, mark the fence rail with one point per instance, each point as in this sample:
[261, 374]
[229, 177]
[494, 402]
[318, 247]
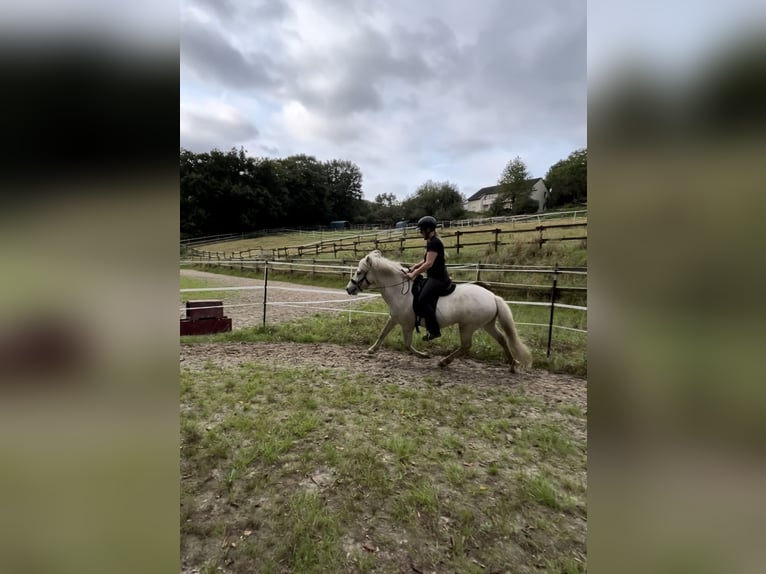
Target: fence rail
[401, 241]
[551, 291]
[210, 239]
[486, 273]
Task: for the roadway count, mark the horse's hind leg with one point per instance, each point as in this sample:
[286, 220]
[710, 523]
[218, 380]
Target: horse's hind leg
[498, 336]
[466, 336]
[383, 334]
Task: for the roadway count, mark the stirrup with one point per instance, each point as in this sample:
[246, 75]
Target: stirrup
[431, 337]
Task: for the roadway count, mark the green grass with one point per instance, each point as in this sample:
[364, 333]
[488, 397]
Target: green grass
[197, 283]
[290, 469]
[568, 349]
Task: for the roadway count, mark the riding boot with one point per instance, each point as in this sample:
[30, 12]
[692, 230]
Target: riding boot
[432, 326]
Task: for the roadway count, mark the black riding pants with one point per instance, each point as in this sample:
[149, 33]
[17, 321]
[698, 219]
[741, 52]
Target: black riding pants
[427, 303]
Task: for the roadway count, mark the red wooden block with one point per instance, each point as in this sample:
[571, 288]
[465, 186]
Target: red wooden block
[205, 326]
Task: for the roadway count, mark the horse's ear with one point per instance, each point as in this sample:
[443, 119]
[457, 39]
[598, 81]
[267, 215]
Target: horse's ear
[368, 260]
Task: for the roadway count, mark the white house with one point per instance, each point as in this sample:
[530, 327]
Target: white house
[482, 199]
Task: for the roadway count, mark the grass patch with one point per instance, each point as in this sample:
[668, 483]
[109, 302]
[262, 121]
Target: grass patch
[539, 489]
[315, 470]
[568, 350]
[198, 283]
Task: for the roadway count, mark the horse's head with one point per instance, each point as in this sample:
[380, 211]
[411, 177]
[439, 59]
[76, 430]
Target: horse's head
[360, 280]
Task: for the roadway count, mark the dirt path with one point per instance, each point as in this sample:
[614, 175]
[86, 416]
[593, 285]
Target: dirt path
[387, 365]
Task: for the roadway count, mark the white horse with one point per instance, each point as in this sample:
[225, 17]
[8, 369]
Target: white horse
[471, 306]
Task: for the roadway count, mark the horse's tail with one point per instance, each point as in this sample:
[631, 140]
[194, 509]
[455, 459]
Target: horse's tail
[518, 349]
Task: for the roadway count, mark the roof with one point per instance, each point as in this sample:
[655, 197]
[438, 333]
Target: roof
[494, 189]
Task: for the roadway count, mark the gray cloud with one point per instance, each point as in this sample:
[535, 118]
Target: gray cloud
[204, 131]
[355, 76]
[235, 11]
[399, 87]
[211, 57]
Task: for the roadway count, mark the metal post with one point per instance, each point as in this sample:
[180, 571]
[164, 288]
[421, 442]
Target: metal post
[265, 286]
[553, 301]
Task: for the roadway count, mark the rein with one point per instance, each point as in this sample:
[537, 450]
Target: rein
[358, 284]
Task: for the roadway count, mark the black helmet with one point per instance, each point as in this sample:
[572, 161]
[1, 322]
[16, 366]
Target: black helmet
[427, 222]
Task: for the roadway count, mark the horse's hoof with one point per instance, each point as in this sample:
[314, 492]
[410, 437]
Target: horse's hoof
[370, 351]
[443, 363]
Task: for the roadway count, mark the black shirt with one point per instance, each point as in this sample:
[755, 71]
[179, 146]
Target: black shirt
[439, 269]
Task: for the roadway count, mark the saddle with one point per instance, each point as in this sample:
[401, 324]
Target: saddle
[417, 287]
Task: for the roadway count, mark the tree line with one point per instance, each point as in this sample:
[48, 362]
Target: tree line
[228, 192]
[224, 192]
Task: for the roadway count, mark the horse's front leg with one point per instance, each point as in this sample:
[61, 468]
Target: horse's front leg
[407, 334]
[383, 334]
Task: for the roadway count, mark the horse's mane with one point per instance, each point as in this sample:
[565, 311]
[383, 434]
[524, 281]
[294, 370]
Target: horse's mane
[387, 264]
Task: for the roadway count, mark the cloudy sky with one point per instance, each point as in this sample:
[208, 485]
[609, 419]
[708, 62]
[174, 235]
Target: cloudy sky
[447, 90]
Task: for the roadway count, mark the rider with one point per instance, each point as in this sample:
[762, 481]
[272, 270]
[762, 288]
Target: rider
[438, 278]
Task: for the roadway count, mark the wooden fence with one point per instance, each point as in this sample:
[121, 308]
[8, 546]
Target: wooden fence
[567, 284]
[457, 240]
[519, 279]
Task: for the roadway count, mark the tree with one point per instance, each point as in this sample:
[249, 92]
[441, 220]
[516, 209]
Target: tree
[514, 191]
[386, 209]
[211, 191]
[344, 190]
[304, 183]
[440, 199]
[568, 179]
[230, 192]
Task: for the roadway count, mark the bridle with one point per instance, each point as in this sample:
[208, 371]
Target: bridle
[358, 284]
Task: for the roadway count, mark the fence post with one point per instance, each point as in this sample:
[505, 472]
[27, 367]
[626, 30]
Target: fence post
[553, 302]
[478, 271]
[457, 236]
[497, 237]
[265, 287]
